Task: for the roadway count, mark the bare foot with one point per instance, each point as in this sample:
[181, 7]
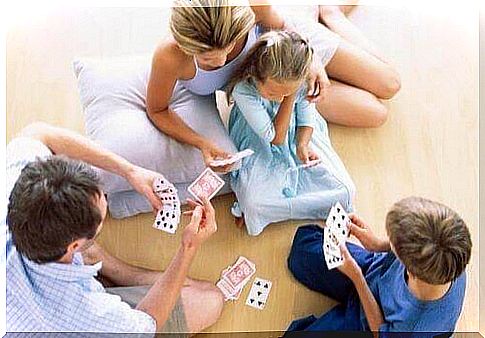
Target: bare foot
[239, 221]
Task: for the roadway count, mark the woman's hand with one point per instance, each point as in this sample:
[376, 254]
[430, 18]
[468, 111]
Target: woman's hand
[318, 82]
[141, 180]
[305, 153]
[366, 236]
[210, 152]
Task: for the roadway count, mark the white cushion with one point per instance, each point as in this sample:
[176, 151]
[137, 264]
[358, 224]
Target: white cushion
[113, 96]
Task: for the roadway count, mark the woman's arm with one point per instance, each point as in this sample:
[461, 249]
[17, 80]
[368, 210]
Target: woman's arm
[266, 15]
[169, 65]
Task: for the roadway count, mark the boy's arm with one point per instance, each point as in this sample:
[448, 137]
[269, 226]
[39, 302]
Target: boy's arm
[65, 142]
[372, 310]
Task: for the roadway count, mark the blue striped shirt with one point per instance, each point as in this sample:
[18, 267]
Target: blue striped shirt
[54, 296]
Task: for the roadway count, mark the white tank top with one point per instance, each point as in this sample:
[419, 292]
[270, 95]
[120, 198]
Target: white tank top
[206, 82]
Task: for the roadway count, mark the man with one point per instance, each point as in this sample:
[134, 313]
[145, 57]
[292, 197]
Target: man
[56, 208]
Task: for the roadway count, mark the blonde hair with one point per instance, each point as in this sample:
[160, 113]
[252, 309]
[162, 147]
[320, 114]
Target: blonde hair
[278, 55]
[199, 26]
[430, 239]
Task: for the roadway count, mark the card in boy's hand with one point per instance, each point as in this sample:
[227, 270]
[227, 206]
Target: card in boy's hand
[340, 223]
[206, 185]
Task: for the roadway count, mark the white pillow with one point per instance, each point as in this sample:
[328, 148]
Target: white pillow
[113, 94]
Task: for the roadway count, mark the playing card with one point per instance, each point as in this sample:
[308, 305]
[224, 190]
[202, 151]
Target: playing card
[235, 278]
[206, 185]
[333, 261]
[259, 293]
[331, 250]
[160, 184]
[332, 215]
[167, 219]
[340, 223]
[330, 243]
[233, 159]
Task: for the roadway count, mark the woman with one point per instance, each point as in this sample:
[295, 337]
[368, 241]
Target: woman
[209, 40]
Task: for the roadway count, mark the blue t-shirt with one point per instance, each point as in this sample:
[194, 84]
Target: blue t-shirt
[402, 311]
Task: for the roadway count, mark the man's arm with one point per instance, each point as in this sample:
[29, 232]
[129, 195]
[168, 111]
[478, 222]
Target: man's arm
[65, 142]
[163, 295]
[117, 271]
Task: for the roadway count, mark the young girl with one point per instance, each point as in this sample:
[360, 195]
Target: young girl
[272, 117]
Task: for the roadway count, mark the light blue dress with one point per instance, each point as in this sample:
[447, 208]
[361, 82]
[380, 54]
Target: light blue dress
[270, 186]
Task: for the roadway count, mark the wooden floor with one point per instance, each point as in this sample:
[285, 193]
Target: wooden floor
[428, 147]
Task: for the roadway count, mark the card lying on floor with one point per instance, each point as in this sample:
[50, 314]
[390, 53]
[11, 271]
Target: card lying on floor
[168, 217]
[233, 159]
[235, 277]
[206, 185]
[258, 296]
[335, 232]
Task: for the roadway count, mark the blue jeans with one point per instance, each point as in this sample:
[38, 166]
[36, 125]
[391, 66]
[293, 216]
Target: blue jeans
[306, 262]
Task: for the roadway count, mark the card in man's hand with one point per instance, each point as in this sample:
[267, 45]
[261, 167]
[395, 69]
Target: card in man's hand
[206, 185]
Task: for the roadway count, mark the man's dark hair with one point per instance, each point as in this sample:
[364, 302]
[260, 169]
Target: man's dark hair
[52, 204]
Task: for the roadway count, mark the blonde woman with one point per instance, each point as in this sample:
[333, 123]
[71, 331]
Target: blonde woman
[210, 39]
[272, 116]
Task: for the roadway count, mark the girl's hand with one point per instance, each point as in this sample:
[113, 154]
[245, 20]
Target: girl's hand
[305, 154]
[210, 152]
[318, 82]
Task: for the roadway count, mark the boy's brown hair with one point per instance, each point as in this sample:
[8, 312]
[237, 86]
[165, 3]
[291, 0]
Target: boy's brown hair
[431, 240]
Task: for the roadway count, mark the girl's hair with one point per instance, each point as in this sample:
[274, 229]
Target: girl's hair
[199, 26]
[278, 55]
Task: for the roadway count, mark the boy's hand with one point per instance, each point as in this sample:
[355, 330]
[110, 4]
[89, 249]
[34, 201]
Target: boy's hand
[305, 153]
[366, 236]
[350, 268]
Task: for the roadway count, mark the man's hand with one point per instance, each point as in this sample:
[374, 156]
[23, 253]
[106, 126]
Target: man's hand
[305, 153]
[202, 225]
[366, 236]
[350, 268]
[318, 82]
[141, 180]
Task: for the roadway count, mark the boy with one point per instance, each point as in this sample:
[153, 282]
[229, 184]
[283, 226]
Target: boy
[413, 281]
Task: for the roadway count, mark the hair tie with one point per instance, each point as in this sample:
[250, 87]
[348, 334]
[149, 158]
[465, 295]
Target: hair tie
[271, 41]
